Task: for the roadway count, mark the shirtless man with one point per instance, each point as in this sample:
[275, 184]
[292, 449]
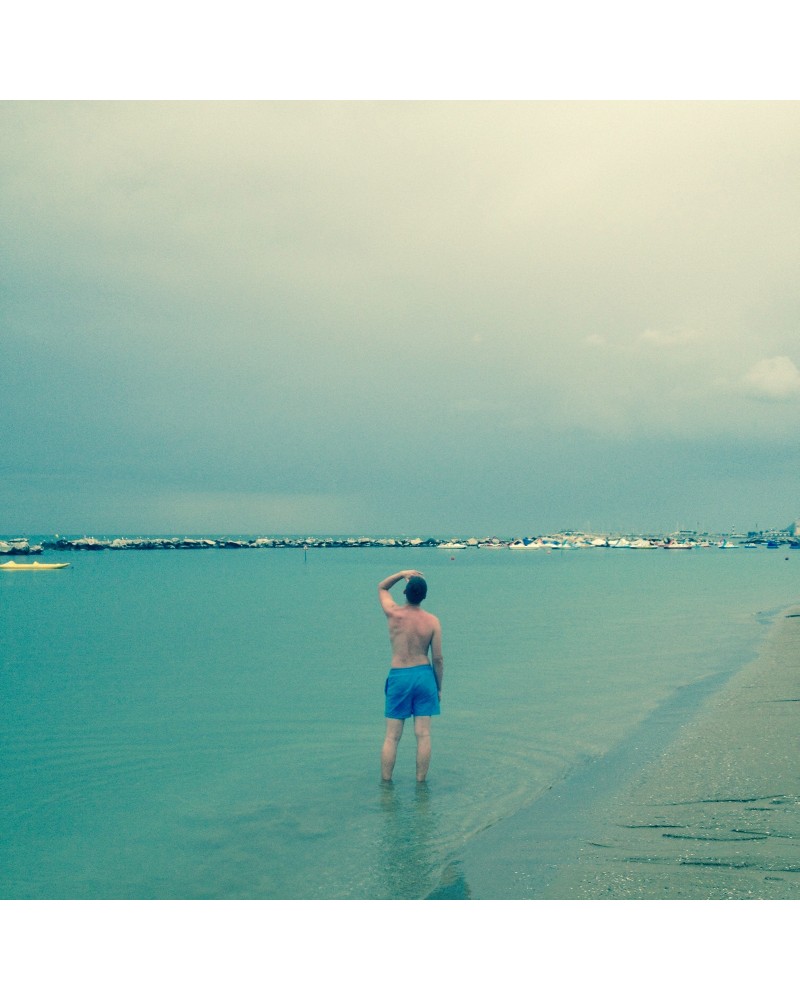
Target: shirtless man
[414, 685]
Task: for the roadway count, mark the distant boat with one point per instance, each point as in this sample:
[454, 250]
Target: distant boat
[554, 543]
[452, 545]
[671, 544]
[34, 565]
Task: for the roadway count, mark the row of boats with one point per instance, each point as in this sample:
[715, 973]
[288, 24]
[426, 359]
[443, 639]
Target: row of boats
[581, 542]
[615, 543]
[557, 541]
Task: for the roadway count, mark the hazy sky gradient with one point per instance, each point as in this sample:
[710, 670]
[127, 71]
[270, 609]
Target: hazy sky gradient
[399, 318]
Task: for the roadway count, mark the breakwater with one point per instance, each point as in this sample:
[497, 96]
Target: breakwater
[565, 540]
[21, 546]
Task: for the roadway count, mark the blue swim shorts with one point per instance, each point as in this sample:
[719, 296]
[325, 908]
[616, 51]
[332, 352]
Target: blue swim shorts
[411, 691]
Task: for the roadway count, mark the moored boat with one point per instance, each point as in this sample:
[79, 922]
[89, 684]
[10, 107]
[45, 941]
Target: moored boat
[11, 565]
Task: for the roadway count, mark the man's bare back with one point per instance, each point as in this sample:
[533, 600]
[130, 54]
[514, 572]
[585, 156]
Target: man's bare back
[411, 632]
[414, 634]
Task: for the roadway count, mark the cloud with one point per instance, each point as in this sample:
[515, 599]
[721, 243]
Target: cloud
[673, 338]
[773, 379]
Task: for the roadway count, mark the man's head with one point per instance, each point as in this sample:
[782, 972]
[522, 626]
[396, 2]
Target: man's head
[416, 590]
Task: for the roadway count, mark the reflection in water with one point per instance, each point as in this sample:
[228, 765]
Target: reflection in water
[452, 884]
[408, 845]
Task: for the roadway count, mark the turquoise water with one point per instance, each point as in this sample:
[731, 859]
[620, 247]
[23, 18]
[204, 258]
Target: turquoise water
[207, 724]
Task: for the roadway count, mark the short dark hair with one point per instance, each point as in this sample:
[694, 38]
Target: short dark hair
[416, 590]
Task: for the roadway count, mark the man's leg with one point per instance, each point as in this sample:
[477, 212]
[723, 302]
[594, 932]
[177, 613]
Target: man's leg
[394, 730]
[422, 730]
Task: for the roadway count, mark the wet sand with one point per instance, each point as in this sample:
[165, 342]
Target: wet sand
[716, 815]
[701, 802]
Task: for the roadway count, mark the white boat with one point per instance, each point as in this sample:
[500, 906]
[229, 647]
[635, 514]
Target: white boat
[452, 545]
[31, 566]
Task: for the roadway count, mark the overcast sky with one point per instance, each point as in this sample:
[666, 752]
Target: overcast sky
[399, 318]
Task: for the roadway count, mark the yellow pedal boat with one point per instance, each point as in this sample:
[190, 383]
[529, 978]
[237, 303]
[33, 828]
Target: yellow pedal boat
[33, 565]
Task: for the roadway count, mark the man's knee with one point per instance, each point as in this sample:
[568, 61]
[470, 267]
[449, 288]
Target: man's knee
[394, 730]
[422, 727]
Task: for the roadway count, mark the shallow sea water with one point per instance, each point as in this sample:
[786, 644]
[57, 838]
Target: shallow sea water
[207, 724]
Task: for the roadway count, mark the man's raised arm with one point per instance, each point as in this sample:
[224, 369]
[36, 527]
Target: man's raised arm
[384, 586]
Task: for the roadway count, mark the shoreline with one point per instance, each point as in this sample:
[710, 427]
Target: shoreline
[702, 801]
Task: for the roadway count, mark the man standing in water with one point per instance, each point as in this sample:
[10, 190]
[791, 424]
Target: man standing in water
[414, 684]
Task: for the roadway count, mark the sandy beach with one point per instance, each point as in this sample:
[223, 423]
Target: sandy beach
[702, 801]
[717, 814]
